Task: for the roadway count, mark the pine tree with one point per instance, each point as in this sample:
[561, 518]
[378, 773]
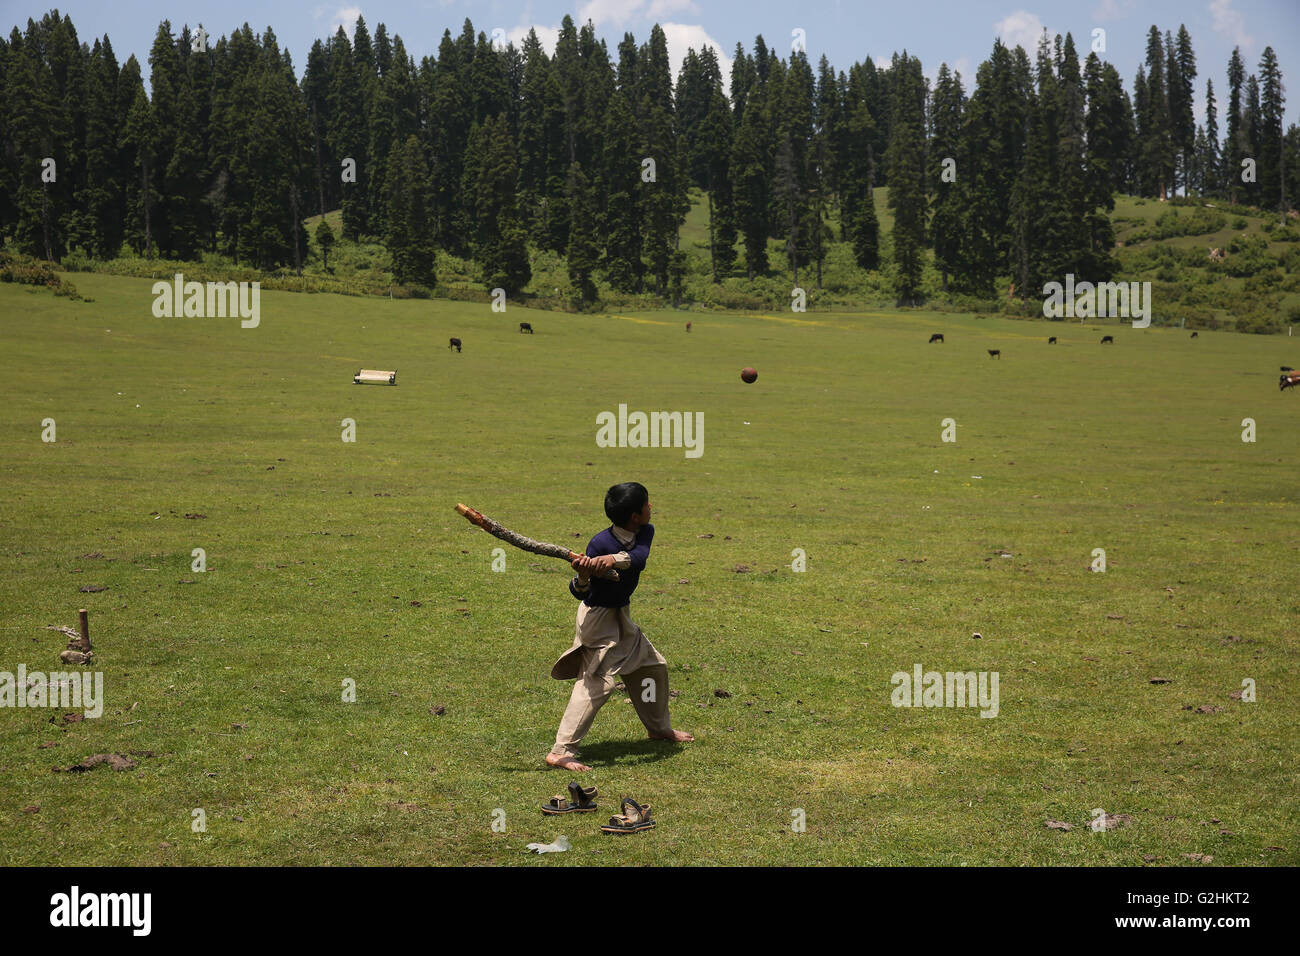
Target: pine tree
[1235, 146]
[543, 156]
[743, 80]
[325, 239]
[383, 48]
[716, 141]
[489, 83]
[409, 216]
[663, 198]
[1272, 101]
[31, 102]
[315, 88]
[948, 104]
[976, 263]
[1251, 135]
[141, 136]
[584, 246]
[348, 135]
[1182, 78]
[1105, 129]
[500, 245]
[751, 185]
[186, 175]
[70, 223]
[103, 195]
[792, 187]
[905, 158]
[450, 118]
[855, 161]
[1208, 160]
[790, 202]
[621, 178]
[1155, 131]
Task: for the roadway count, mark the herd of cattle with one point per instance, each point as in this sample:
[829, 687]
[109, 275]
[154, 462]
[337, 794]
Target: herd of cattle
[997, 353]
[1290, 377]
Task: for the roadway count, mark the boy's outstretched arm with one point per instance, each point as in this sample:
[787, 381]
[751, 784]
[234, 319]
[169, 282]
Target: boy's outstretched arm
[639, 553]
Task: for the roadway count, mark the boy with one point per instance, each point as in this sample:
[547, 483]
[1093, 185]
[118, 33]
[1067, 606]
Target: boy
[609, 644]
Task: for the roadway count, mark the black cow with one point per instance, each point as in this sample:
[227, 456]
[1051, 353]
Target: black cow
[937, 337]
[455, 344]
[995, 353]
[1052, 340]
[526, 327]
[1287, 368]
[1108, 338]
[1193, 335]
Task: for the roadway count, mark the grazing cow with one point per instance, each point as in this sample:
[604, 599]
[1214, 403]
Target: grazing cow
[1288, 380]
[688, 326]
[1193, 335]
[995, 353]
[1052, 340]
[1108, 338]
[526, 327]
[937, 337]
[1287, 368]
[455, 344]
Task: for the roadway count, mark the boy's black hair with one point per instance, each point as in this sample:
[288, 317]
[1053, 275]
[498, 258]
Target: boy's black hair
[625, 500]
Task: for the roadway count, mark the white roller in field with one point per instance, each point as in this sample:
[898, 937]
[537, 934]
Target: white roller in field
[370, 376]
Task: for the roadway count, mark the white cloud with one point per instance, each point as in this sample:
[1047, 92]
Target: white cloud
[345, 17]
[1021, 28]
[1230, 24]
[663, 8]
[613, 14]
[680, 36]
[547, 36]
[609, 13]
[1112, 9]
[960, 65]
[684, 36]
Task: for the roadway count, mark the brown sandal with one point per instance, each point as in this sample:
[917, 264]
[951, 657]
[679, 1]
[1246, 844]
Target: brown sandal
[581, 800]
[634, 820]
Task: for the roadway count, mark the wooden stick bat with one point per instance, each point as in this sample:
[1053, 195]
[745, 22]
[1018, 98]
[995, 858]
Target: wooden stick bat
[525, 544]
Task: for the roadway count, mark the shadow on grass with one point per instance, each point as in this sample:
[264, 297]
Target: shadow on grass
[627, 752]
[611, 753]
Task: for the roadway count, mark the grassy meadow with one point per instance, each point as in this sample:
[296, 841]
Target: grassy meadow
[332, 561]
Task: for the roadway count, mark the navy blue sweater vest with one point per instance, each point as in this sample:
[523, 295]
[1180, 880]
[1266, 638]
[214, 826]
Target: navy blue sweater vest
[603, 593]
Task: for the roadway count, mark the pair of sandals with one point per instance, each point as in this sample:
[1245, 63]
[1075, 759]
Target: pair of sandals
[634, 818]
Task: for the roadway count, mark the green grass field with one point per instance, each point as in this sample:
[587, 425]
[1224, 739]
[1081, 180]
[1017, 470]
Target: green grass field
[329, 561]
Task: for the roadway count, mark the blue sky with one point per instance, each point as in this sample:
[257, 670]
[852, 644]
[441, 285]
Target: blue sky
[959, 33]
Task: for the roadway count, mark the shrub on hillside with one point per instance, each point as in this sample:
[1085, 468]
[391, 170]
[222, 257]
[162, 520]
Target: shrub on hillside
[25, 270]
[1264, 281]
[1259, 323]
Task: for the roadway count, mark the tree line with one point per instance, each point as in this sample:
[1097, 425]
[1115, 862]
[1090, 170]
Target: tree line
[493, 153]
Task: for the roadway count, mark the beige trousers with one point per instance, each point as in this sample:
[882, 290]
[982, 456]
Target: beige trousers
[611, 646]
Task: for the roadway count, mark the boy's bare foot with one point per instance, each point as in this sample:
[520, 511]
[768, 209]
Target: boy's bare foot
[566, 763]
[680, 736]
